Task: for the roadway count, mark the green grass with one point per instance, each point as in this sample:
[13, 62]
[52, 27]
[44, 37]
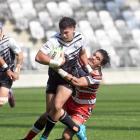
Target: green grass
[116, 116]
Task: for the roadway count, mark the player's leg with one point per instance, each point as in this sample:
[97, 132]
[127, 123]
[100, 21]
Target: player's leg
[79, 114]
[5, 85]
[80, 117]
[40, 122]
[11, 99]
[49, 101]
[63, 93]
[69, 133]
[3, 95]
[60, 99]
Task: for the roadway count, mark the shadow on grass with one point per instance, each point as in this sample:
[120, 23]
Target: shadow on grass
[61, 127]
[113, 128]
[19, 115]
[132, 112]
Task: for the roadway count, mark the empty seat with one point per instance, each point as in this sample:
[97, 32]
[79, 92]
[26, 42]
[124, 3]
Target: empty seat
[136, 33]
[104, 16]
[137, 16]
[65, 9]
[134, 4]
[45, 19]
[123, 29]
[99, 5]
[87, 31]
[36, 30]
[127, 14]
[132, 23]
[28, 9]
[22, 23]
[113, 9]
[135, 56]
[94, 19]
[53, 10]
[50, 33]
[4, 11]
[16, 9]
[39, 6]
[102, 38]
[120, 3]
[114, 35]
[86, 4]
[80, 14]
[115, 60]
[75, 4]
[136, 36]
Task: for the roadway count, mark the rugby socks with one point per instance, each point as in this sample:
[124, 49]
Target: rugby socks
[49, 126]
[66, 119]
[38, 126]
[30, 135]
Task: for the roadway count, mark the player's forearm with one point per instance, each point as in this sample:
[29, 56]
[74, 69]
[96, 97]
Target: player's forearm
[3, 64]
[42, 58]
[19, 62]
[83, 57]
[47, 60]
[84, 60]
[64, 74]
[74, 80]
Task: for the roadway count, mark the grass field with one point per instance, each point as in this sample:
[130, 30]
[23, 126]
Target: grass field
[116, 117]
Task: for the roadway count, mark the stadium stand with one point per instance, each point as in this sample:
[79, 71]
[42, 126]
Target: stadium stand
[109, 24]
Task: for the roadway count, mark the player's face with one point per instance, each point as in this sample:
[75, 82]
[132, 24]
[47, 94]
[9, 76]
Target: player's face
[97, 59]
[67, 34]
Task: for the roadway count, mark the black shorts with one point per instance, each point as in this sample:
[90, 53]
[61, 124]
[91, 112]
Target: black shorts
[54, 81]
[5, 81]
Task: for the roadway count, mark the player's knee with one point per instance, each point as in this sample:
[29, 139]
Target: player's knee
[3, 100]
[57, 107]
[66, 136]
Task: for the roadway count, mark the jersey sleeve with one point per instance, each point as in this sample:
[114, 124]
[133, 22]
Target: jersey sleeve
[14, 46]
[46, 48]
[49, 47]
[94, 78]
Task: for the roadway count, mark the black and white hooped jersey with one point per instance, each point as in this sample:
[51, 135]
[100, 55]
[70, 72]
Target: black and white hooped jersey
[8, 49]
[71, 49]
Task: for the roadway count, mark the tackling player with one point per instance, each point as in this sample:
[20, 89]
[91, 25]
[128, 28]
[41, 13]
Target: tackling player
[80, 106]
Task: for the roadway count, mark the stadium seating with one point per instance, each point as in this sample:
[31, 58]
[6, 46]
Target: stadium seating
[108, 24]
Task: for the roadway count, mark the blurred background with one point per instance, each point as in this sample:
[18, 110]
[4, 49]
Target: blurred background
[113, 25]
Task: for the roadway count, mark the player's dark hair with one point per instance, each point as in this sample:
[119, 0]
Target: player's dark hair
[106, 57]
[66, 22]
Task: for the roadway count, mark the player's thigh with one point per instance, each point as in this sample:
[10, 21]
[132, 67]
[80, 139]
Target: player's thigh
[4, 92]
[63, 93]
[49, 101]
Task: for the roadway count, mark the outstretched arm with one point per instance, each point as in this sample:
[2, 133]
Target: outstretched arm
[84, 60]
[81, 82]
[19, 62]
